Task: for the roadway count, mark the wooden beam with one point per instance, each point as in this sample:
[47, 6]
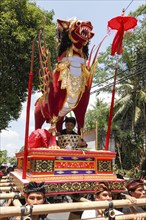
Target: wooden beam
[68, 207]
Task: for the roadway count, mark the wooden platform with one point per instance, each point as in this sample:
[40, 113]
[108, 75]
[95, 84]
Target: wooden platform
[68, 171]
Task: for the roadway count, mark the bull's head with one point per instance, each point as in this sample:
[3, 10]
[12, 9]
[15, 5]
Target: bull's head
[79, 32]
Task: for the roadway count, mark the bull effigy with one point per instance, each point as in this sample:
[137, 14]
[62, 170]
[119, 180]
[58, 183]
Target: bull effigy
[65, 89]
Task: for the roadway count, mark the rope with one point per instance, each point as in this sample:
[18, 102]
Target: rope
[23, 212]
[16, 196]
[110, 213]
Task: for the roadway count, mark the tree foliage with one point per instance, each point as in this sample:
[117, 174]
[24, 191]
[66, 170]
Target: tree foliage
[20, 22]
[3, 156]
[98, 115]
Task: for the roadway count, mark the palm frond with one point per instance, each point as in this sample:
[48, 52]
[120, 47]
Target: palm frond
[142, 96]
[137, 114]
[123, 101]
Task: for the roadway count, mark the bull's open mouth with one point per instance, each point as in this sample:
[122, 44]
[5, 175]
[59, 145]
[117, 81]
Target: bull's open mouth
[85, 32]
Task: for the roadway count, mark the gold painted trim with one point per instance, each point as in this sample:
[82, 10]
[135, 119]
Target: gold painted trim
[73, 177]
[104, 156]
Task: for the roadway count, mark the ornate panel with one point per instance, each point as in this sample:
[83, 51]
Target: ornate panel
[19, 163]
[74, 165]
[42, 166]
[104, 166]
[80, 186]
[116, 185]
[71, 187]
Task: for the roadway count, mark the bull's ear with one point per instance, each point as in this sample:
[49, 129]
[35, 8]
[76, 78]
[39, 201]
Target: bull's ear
[62, 24]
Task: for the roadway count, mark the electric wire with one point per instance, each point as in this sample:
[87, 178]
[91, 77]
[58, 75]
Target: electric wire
[98, 84]
[118, 81]
[140, 70]
[128, 5]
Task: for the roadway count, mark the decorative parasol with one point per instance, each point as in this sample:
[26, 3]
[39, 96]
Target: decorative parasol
[121, 24]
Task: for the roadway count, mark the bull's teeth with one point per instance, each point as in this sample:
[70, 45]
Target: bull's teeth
[84, 35]
[86, 28]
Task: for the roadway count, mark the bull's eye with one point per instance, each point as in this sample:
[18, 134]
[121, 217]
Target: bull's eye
[78, 23]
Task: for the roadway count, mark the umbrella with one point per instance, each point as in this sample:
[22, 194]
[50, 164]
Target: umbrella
[121, 24]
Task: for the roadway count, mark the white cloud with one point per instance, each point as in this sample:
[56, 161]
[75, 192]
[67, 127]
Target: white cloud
[9, 134]
[10, 141]
[13, 138]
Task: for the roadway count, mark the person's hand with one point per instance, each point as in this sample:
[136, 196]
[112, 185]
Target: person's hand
[82, 143]
[9, 202]
[58, 133]
[131, 198]
[138, 217]
[18, 218]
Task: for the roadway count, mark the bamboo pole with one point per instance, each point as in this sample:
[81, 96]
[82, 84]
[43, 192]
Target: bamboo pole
[10, 195]
[16, 202]
[5, 180]
[6, 184]
[69, 207]
[6, 188]
[5, 177]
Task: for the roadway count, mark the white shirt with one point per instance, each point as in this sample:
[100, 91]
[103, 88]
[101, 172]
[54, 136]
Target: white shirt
[93, 213]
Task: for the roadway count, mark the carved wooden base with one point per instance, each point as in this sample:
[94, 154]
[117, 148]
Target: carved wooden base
[68, 171]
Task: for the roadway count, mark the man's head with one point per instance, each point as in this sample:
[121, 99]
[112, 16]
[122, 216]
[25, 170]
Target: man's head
[34, 193]
[135, 188]
[70, 123]
[102, 192]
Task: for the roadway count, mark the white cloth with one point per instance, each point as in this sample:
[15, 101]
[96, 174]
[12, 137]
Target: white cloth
[89, 214]
[75, 70]
[68, 106]
[75, 64]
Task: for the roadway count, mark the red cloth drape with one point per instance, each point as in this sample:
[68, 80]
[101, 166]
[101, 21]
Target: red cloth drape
[121, 24]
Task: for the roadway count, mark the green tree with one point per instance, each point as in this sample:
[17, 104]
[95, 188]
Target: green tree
[12, 160]
[3, 156]
[20, 22]
[98, 114]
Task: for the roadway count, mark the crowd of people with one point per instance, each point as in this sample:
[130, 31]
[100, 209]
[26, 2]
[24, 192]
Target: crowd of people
[5, 169]
[34, 194]
[135, 190]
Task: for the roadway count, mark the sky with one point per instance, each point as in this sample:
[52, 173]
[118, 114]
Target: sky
[99, 12]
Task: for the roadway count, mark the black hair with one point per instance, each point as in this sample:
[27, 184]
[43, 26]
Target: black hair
[70, 119]
[34, 187]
